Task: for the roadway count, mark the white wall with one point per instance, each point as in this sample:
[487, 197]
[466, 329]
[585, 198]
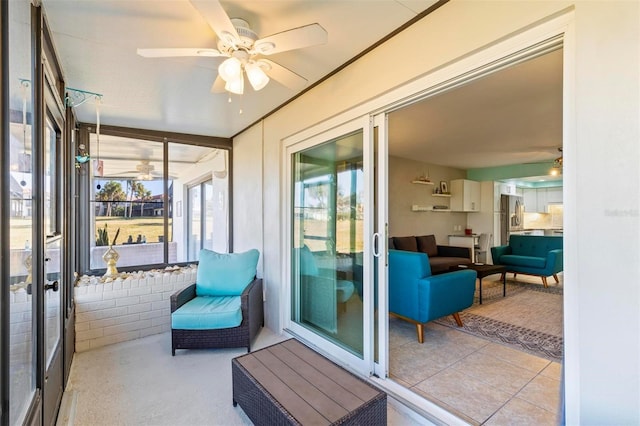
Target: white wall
[602, 314]
[248, 193]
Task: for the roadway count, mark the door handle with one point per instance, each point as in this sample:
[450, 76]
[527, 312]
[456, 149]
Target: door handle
[374, 242]
[55, 286]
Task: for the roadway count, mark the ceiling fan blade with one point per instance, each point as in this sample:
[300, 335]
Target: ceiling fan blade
[218, 85]
[176, 52]
[283, 75]
[296, 38]
[217, 19]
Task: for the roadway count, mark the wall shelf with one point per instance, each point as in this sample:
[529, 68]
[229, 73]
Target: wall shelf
[441, 195]
[416, 208]
[421, 182]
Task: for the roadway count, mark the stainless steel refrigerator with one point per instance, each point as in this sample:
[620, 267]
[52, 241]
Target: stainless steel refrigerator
[511, 216]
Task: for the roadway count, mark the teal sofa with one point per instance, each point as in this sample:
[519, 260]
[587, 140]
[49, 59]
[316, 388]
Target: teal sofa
[531, 255]
[417, 296]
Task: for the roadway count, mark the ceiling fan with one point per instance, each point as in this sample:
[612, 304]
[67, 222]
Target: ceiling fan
[244, 50]
[143, 171]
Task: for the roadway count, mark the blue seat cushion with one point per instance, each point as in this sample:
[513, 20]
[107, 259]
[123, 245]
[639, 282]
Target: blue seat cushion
[205, 313]
[225, 274]
[529, 261]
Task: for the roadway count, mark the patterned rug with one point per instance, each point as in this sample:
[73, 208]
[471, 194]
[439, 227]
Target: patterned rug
[529, 318]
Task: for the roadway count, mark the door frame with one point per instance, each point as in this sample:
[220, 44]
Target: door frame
[558, 28]
[298, 143]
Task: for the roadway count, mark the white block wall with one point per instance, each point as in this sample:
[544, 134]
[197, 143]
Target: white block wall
[131, 306]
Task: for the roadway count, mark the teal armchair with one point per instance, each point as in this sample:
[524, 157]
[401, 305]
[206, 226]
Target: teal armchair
[417, 296]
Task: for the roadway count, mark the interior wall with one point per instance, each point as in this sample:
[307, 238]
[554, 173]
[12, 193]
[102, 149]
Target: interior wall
[247, 193]
[601, 367]
[403, 194]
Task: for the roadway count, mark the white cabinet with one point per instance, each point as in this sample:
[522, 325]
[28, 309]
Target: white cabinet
[542, 200]
[537, 200]
[530, 196]
[465, 195]
[507, 189]
[554, 195]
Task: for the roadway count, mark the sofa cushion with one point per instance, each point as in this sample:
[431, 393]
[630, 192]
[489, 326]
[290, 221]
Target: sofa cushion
[427, 244]
[225, 274]
[529, 261]
[405, 243]
[441, 264]
[205, 313]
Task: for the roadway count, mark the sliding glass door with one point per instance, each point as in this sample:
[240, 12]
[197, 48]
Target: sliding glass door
[331, 230]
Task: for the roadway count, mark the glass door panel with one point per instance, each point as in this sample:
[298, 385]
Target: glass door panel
[328, 241]
[52, 298]
[52, 258]
[21, 319]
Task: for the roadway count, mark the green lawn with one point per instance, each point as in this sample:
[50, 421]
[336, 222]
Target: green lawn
[150, 227]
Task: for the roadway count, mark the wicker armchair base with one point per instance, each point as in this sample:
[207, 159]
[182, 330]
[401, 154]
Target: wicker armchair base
[288, 383]
[236, 337]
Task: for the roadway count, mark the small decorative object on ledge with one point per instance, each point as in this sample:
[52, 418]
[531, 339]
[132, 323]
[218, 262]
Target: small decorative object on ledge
[111, 257]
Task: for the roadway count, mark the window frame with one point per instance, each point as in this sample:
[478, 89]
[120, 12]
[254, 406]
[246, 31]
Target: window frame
[166, 138]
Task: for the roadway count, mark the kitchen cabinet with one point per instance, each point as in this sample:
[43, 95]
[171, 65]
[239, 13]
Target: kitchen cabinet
[554, 195]
[537, 200]
[530, 198]
[465, 195]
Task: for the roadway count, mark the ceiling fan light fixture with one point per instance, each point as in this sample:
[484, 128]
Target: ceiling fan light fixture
[230, 69]
[256, 76]
[235, 86]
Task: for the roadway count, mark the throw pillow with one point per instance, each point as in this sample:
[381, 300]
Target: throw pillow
[427, 244]
[225, 274]
[405, 243]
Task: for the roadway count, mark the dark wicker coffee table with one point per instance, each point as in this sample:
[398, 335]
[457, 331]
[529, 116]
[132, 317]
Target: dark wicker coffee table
[288, 383]
[484, 271]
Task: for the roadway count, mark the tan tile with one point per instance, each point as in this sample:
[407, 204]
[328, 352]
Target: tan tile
[411, 365]
[522, 413]
[553, 371]
[543, 392]
[495, 372]
[516, 357]
[465, 394]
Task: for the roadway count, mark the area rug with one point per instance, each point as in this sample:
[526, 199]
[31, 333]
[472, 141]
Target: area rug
[529, 318]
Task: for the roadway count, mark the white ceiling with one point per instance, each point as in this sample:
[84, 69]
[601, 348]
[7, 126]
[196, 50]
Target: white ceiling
[513, 116]
[97, 42]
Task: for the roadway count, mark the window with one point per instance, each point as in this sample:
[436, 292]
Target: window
[155, 202]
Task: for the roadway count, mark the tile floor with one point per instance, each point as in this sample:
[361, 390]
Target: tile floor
[482, 382]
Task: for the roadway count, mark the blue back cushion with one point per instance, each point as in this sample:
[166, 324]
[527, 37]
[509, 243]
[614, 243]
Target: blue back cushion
[225, 274]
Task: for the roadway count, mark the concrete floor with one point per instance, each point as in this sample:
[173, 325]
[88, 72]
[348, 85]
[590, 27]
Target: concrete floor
[140, 383]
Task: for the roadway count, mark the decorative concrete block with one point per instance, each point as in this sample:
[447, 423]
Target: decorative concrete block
[89, 334]
[126, 301]
[154, 297]
[141, 307]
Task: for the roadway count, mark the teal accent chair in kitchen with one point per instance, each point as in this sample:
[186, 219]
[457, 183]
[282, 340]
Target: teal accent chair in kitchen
[417, 296]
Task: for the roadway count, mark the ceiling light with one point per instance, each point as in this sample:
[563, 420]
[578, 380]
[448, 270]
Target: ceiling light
[256, 76]
[556, 169]
[235, 86]
[230, 69]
